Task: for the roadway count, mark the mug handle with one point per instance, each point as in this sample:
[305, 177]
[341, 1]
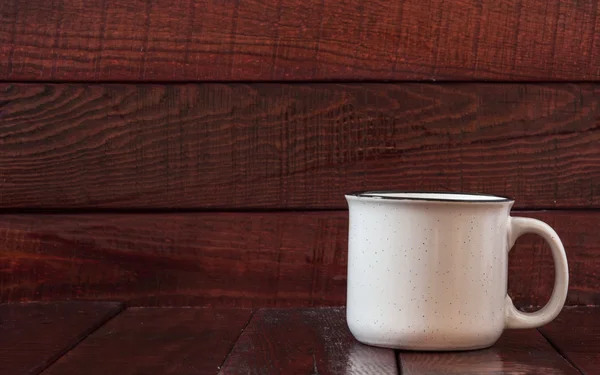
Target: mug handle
[518, 226]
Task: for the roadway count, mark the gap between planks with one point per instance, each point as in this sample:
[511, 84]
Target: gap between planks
[91, 330]
[150, 211]
[236, 340]
[560, 352]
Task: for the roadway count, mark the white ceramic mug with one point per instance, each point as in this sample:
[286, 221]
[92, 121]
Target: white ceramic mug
[428, 271]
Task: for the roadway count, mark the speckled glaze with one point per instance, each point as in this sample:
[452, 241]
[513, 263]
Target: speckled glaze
[428, 271]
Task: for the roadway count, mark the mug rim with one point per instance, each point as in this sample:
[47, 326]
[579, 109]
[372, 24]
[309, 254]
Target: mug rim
[380, 194]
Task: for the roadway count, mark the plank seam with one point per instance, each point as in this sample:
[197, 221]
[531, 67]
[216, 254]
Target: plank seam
[398, 362]
[236, 341]
[117, 210]
[107, 318]
[560, 352]
[356, 81]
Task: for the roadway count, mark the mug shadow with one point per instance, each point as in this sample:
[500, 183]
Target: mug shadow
[513, 353]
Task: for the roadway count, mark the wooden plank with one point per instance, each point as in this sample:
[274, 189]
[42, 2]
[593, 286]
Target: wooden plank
[295, 146]
[34, 335]
[170, 40]
[304, 341]
[153, 341]
[517, 352]
[531, 268]
[576, 335]
[239, 259]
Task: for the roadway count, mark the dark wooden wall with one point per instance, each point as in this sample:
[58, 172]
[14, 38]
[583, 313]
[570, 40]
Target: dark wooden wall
[197, 152]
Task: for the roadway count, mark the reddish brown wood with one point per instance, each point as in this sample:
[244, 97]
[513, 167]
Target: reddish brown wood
[153, 341]
[239, 259]
[224, 259]
[304, 341]
[300, 40]
[34, 335]
[517, 352]
[576, 334]
[531, 269]
[295, 146]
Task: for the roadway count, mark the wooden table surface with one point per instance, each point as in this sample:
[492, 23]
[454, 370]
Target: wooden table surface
[104, 338]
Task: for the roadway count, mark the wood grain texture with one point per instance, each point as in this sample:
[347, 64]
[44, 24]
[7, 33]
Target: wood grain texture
[168, 40]
[576, 334]
[294, 146]
[239, 259]
[34, 335]
[154, 341]
[304, 341]
[517, 352]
